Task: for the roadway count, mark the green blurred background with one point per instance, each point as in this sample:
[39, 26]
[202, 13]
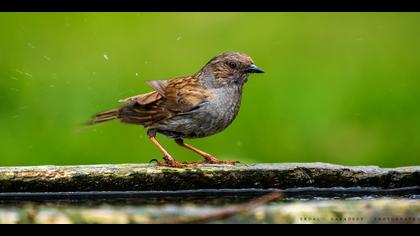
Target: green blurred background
[339, 87]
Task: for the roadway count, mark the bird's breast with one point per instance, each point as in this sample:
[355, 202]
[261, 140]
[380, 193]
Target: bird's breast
[211, 117]
[225, 103]
[222, 107]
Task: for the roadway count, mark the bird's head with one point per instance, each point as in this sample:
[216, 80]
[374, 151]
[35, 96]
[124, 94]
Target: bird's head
[229, 68]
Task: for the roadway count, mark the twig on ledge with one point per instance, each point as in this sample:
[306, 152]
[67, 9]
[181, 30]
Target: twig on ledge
[227, 212]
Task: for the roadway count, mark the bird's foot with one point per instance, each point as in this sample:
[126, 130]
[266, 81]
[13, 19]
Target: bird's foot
[213, 160]
[171, 162]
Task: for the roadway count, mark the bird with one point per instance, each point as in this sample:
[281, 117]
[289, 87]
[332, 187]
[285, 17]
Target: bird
[189, 107]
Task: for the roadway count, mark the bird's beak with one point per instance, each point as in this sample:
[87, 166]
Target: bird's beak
[254, 69]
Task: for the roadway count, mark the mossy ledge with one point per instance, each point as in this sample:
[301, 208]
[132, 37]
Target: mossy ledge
[147, 177]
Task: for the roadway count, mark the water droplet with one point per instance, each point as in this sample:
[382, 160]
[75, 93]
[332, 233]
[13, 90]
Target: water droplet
[137, 74]
[13, 78]
[23, 73]
[52, 86]
[106, 56]
[30, 45]
[178, 38]
[47, 58]
[19, 71]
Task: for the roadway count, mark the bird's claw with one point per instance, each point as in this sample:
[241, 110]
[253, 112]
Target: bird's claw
[220, 162]
[170, 162]
[154, 160]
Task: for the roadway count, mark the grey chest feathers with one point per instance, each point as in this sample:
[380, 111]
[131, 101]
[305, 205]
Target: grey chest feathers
[209, 118]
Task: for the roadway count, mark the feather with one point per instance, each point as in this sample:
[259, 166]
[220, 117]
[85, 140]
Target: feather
[158, 85]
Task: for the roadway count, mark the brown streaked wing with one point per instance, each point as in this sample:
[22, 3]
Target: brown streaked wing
[183, 94]
[143, 99]
[158, 85]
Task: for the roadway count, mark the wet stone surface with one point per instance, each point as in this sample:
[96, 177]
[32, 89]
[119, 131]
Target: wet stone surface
[139, 193]
[146, 177]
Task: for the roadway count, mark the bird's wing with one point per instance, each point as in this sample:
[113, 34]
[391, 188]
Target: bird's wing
[144, 99]
[183, 94]
[180, 94]
[158, 85]
[171, 98]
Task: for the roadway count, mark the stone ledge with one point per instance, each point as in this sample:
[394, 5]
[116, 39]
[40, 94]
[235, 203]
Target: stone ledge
[149, 177]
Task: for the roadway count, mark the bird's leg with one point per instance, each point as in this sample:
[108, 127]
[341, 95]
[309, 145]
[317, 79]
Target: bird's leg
[169, 160]
[207, 157]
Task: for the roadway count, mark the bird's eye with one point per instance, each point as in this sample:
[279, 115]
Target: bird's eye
[232, 65]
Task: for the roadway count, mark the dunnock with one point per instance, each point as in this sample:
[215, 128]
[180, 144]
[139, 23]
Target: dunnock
[189, 107]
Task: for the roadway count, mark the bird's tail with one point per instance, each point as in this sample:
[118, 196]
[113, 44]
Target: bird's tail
[104, 116]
